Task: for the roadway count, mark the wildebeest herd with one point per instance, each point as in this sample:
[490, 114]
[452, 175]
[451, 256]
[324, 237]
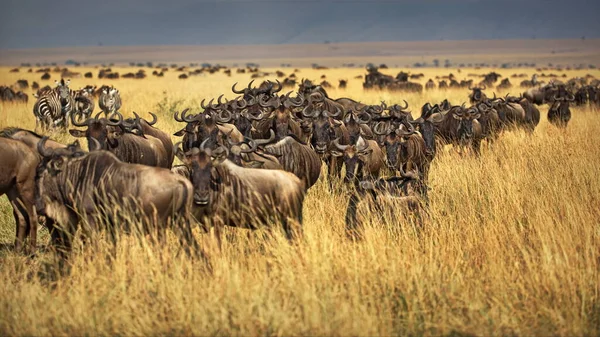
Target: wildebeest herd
[247, 162]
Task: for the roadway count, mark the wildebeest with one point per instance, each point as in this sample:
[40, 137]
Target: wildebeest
[397, 197]
[17, 181]
[459, 126]
[105, 134]
[343, 84]
[144, 127]
[74, 185]
[363, 160]
[226, 194]
[504, 85]
[206, 125]
[430, 84]
[477, 95]
[559, 113]
[298, 158]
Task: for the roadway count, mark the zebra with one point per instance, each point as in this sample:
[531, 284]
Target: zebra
[54, 107]
[109, 101]
[84, 102]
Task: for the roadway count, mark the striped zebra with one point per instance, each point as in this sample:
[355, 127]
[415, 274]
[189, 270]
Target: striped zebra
[109, 101]
[54, 107]
[84, 102]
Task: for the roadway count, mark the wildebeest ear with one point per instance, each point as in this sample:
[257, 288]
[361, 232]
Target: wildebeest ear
[77, 133]
[179, 133]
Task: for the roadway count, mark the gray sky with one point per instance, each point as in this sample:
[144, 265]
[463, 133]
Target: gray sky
[37, 24]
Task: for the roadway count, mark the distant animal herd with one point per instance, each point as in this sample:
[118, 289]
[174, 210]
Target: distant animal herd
[249, 161]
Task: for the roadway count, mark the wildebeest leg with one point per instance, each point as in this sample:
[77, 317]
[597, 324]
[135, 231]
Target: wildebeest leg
[477, 146]
[20, 218]
[352, 230]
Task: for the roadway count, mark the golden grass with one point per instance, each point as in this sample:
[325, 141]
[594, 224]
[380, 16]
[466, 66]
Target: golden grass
[511, 246]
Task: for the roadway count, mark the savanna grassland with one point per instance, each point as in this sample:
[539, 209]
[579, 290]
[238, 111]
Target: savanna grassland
[510, 245]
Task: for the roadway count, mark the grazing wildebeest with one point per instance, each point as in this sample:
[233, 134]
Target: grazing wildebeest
[362, 160]
[17, 181]
[75, 186]
[504, 85]
[430, 85]
[226, 194]
[112, 136]
[396, 196]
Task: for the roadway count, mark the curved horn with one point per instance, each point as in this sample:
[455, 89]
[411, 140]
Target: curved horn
[97, 145]
[203, 144]
[154, 119]
[306, 114]
[380, 129]
[364, 120]
[185, 118]
[262, 103]
[339, 146]
[84, 123]
[337, 113]
[236, 91]
[202, 104]
[404, 107]
[410, 131]
[42, 148]
[228, 116]
[266, 141]
[297, 103]
[279, 87]
[236, 103]
[117, 123]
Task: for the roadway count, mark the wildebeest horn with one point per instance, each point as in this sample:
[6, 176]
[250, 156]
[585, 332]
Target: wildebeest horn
[279, 87]
[339, 146]
[337, 113]
[298, 102]
[484, 87]
[306, 114]
[236, 91]
[177, 118]
[364, 120]
[380, 128]
[154, 119]
[187, 119]
[410, 131]
[219, 99]
[263, 103]
[203, 144]
[118, 122]
[237, 105]
[84, 123]
[228, 115]
[42, 148]
[405, 105]
[378, 109]
[250, 85]
[97, 145]
[202, 104]
[266, 141]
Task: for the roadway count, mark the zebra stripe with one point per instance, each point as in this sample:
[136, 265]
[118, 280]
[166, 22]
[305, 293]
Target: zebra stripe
[49, 110]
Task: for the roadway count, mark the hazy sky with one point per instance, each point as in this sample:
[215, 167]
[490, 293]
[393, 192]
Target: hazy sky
[48, 23]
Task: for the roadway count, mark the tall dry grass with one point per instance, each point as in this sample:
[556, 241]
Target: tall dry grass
[511, 246]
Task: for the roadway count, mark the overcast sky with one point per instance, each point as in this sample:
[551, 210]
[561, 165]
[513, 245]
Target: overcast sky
[58, 23]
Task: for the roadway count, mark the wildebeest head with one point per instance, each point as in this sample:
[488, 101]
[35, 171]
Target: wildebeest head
[99, 132]
[477, 94]
[323, 127]
[200, 161]
[353, 121]
[393, 139]
[283, 114]
[426, 127]
[200, 127]
[54, 159]
[354, 157]
[465, 119]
